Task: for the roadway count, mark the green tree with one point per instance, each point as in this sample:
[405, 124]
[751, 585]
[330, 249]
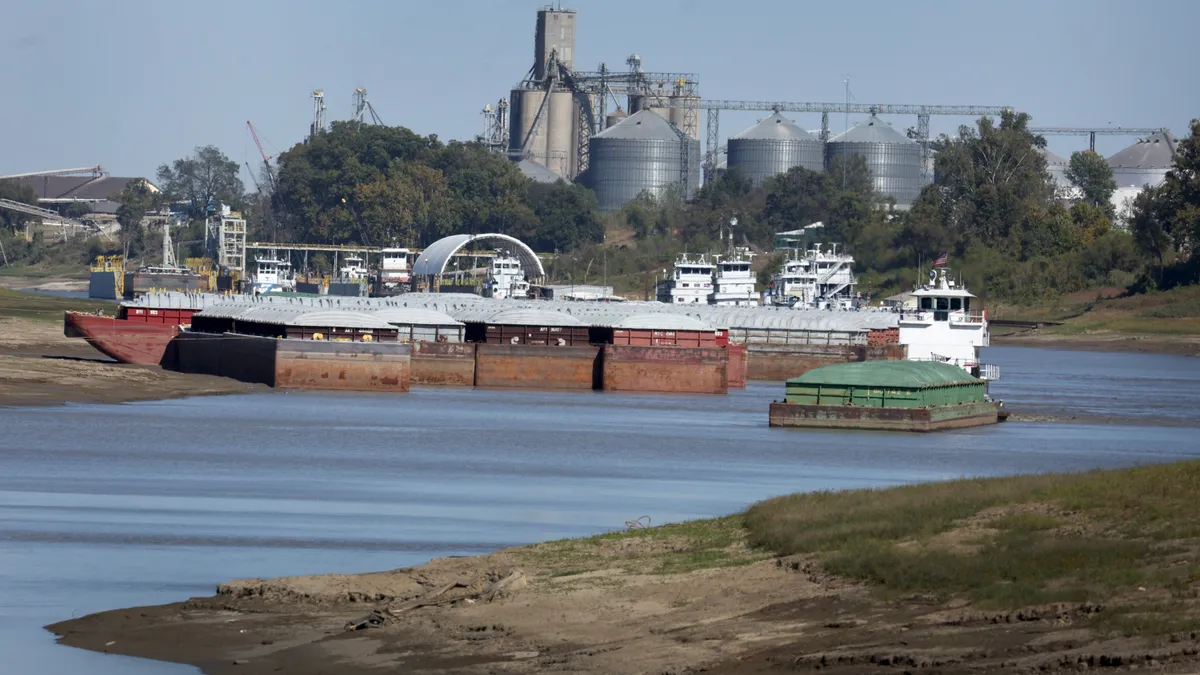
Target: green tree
[1165, 222]
[1089, 172]
[17, 192]
[204, 181]
[136, 200]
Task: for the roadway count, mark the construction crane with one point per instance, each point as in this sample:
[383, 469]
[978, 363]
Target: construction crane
[923, 113]
[268, 172]
[96, 172]
[1091, 132]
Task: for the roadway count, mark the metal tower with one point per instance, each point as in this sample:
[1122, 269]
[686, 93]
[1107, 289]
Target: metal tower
[363, 107]
[318, 123]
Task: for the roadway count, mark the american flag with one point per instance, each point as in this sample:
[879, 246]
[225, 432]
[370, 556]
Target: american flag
[941, 261]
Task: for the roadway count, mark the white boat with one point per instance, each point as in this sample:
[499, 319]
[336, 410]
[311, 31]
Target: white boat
[505, 279]
[818, 279]
[272, 275]
[354, 269]
[393, 268]
[944, 327]
[733, 282]
[691, 282]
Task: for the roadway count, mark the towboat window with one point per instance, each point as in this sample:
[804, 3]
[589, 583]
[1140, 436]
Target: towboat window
[966, 304]
[955, 304]
[943, 304]
[926, 303]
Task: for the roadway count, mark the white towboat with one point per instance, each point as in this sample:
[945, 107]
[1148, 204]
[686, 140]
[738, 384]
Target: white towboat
[733, 282]
[945, 328]
[393, 269]
[272, 275]
[505, 279]
[817, 279]
[691, 281]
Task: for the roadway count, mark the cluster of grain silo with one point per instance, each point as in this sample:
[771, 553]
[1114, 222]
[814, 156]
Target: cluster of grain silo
[642, 153]
[895, 161]
[773, 146]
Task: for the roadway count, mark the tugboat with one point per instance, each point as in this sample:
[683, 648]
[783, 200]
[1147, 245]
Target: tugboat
[691, 283]
[817, 280]
[352, 278]
[505, 279]
[944, 327]
[393, 271]
[733, 281]
[272, 275]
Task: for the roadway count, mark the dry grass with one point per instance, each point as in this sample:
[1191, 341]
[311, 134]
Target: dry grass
[1106, 311]
[39, 307]
[1103, 537]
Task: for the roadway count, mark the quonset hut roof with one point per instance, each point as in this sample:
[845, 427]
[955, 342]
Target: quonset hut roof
[414, 316]
[642, 125]
[523, 316]
[898, 374]
[1156, 151]
[871, 130]
[662, 322]
[536, 172]
[295, 316]
[434, 258]
[775, 128]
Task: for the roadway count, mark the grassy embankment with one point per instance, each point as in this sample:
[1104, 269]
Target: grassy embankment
[1124, 539]
[45, 307]
[1173, 313]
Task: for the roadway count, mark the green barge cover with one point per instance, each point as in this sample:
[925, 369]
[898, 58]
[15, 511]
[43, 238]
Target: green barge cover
[887, 384]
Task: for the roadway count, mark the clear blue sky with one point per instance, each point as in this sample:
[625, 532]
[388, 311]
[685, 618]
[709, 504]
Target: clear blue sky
[131, 84]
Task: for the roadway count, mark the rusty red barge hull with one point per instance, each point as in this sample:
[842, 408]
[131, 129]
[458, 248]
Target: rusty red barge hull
[137, 335]
[121, 339]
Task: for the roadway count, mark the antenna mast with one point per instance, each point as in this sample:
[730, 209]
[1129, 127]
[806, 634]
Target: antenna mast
[318, 123]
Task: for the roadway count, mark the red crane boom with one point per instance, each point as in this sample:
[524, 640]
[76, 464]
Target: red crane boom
[257, 142]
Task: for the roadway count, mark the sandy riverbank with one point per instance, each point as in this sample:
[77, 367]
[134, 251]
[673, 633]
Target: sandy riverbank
[1184, 345]
[698, 597]
[41, 366]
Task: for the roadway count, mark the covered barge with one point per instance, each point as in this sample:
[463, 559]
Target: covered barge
[886, 395]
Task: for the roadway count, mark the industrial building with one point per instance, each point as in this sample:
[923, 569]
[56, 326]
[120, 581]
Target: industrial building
[551, 117]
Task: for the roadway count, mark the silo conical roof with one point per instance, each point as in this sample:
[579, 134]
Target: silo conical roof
[538, 172]
[871, 130]
[1156, 151]
[775, 128]
[642, 125]
[1053, 160]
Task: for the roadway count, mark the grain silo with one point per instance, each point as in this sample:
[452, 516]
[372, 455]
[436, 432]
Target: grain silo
[685, 114]
[538, 173]
[1056, 168]
[773, 146]
[642, 153]
[615, 117]
[553, 141]
[893, 159]
[1146, 162]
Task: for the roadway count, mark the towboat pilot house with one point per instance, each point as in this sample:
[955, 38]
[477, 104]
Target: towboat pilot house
[942, 307]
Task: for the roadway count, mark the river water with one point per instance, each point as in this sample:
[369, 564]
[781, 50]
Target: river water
[107, 506]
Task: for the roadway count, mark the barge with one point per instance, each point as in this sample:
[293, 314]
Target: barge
[896, 396]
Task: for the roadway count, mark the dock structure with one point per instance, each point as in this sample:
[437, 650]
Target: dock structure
[882, 395]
